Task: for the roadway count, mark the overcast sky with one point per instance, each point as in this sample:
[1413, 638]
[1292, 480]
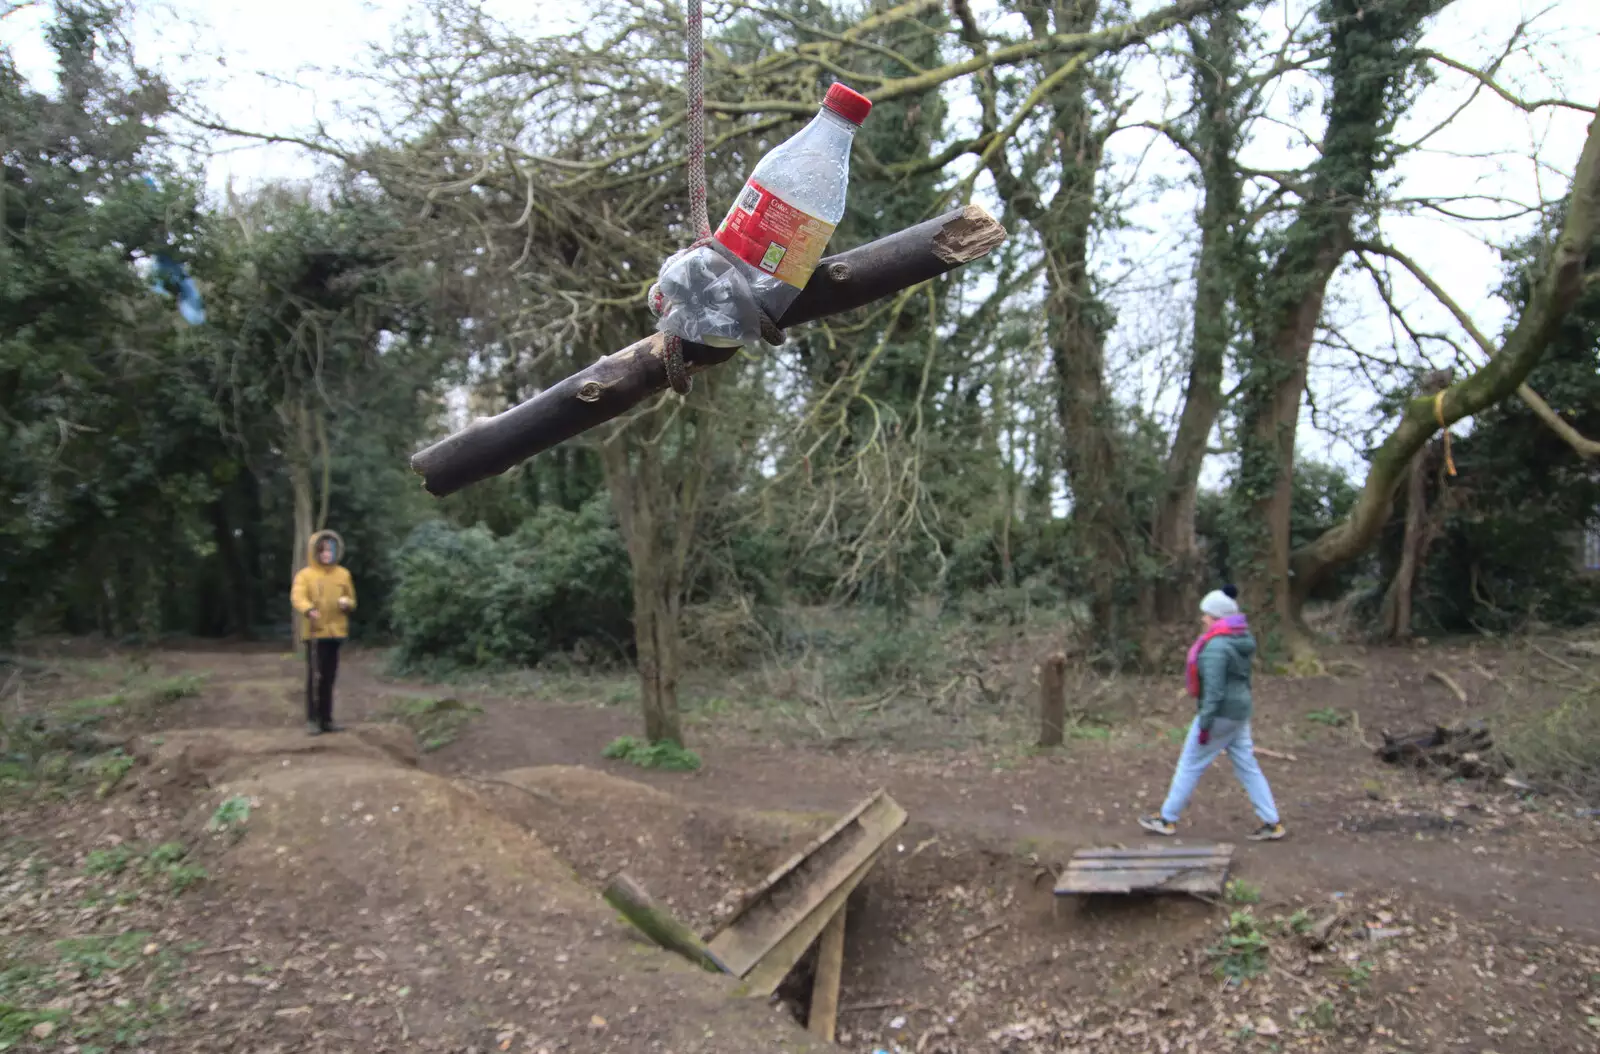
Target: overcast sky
[281, 67]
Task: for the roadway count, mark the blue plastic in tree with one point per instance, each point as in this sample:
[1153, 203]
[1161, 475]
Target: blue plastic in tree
[171, 278]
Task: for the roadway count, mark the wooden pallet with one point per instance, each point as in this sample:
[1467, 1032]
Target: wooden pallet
[1148, 869]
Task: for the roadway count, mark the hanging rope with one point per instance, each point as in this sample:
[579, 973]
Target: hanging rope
[1438, 414]
[697, 126]
[677, 370]
[672, 345]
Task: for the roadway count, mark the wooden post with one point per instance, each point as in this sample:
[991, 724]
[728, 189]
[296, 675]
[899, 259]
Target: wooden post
[824, 1013]
[629, 898]
[1052, 700]
[624, 379]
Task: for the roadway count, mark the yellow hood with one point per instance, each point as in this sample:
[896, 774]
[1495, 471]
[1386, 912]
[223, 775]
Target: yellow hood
[316, 539]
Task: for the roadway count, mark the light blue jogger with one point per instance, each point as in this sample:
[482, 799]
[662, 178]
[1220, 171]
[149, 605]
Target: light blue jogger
[1226, 735]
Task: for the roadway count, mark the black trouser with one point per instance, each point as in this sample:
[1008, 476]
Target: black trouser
[322, 666]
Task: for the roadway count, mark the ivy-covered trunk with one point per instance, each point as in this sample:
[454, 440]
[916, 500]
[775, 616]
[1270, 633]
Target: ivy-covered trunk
[1371, 60]
[1220, 270]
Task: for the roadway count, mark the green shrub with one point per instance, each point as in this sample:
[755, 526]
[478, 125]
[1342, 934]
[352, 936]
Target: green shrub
[465, 598]
[1238, 891]
[231, 815]
[1244, 950]
[666, 756]
[881, 656]
[111, 861]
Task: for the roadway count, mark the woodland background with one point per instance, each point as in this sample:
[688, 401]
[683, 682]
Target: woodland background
[1056, 436]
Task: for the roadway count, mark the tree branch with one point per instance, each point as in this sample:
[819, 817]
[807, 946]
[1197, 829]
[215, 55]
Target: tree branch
[1584, 447]
[1489, 82]
[1564, 280]
[621, 381]
[289, 140]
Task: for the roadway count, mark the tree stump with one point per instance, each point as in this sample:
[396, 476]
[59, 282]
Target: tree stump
[1052, 700]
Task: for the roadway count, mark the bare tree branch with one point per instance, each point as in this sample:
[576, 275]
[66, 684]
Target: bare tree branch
[1528, 105]
[1558, 288]
[1581, 445]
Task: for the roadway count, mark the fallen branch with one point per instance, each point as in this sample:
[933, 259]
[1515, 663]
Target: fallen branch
[985, 931]
[1450, 683]
[1563, 663]
[1467, 752]
[624, 379]
[1278, 754]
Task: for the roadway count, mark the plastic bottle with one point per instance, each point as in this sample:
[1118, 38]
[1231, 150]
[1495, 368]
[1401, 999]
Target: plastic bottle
[776, 231]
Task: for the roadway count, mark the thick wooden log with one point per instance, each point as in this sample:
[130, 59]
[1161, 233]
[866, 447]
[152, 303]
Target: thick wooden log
[655, 922]
[624, 379]
[1052, 700]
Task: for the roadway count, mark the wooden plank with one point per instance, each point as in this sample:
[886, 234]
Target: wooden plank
[1142, 875]
[1155, 850]
[789, 865]
[1140, 862]
[1052, 700]
[1149, 869]
[793, 894]
[765, 977]
[1156, 872]
[823, 1016]
[1143, 882]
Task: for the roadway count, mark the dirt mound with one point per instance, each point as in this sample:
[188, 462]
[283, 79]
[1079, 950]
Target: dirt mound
[479, 927]
[181, 760]
[698, 860]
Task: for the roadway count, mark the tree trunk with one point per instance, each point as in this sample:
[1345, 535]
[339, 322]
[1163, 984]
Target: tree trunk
[1076, 323]
[656, 467]
[656, 641]
[301, 486]
[1559, 286]
[1370, 56]
[1218, 272]
[1396, 613]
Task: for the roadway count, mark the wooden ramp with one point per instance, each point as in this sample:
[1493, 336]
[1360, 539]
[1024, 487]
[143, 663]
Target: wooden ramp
[1148, 869]
[777, 923]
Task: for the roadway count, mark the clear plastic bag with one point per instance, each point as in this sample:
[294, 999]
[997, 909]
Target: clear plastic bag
[706, 300]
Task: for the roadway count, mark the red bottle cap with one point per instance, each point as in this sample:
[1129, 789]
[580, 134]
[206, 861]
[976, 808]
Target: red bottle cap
[847, 103]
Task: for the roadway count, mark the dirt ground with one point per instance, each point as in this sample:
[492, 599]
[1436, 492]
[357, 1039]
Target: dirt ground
[378, 897]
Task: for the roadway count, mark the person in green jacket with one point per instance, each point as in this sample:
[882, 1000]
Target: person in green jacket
[1218, 675]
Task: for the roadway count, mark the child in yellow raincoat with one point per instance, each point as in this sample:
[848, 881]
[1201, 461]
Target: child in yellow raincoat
[324, 594]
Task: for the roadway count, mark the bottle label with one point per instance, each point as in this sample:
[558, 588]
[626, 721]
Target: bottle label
[767, 232]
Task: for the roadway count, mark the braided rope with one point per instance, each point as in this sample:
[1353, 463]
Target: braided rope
[672, 346]
[697, 125]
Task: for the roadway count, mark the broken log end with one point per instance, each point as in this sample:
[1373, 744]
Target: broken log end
[969, 235]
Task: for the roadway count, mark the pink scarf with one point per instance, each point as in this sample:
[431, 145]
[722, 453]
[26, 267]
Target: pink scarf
[1233, 625]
